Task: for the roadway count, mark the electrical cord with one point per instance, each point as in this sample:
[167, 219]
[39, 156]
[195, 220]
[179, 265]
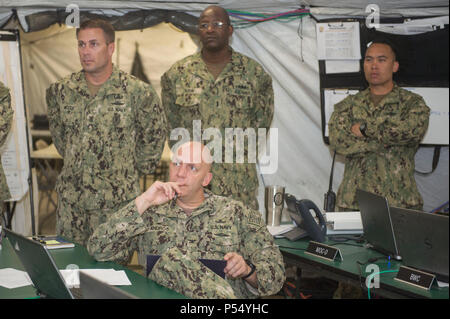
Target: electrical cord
[243, 19]
[340, 238]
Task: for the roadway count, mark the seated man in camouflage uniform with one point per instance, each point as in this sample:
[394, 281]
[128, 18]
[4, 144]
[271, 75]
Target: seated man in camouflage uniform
[379, 131]
[199, 225]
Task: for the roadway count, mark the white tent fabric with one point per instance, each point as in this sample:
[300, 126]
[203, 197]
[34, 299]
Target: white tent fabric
[286, 50]
[51, 54]
[288, 53]
[320, 8]
[293, 65]
[235, 4]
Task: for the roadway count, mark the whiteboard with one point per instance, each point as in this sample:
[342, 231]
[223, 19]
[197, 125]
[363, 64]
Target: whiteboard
[437, 99]
[14, 153]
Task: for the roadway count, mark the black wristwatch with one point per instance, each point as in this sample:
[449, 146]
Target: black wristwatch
[253, 268]
[363, 128]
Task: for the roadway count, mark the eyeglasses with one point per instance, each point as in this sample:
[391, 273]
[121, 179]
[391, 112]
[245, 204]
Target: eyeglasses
[214, 25]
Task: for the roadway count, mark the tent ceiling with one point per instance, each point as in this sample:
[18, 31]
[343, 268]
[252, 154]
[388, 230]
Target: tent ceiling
[229, 4]
[128, 15]
[131, 20]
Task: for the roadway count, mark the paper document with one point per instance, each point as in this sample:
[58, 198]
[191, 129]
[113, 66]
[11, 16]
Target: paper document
[280, 230]
[344, 220]
[110, 276]
[332, 97]
[344, 223]
[12, 278]
[338, 41]
[341, 66]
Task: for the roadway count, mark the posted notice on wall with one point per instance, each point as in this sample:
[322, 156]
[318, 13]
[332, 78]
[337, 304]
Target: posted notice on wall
[338, 41]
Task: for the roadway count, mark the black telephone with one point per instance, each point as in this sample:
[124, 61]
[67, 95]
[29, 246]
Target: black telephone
[299, 210]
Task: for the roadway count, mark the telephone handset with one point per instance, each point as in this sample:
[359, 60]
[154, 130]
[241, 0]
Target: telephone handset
[299, 210]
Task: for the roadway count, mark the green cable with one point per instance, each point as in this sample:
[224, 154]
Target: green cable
[248, 13]
[372, 275]
[287, 19]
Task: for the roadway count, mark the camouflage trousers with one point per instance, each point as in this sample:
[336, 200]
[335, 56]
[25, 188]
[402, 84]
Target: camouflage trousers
[77, 224]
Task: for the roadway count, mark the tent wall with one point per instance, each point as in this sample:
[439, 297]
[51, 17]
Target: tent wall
[36, 15]
[51, 54]
[286, 50]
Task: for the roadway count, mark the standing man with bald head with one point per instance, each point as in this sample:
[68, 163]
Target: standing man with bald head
[379, 131]
[223, 89]
[108, 126]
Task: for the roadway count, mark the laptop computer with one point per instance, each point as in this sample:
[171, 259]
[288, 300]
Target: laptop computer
[95, 289]
[422, 240]
[40, 266]
[377, 223]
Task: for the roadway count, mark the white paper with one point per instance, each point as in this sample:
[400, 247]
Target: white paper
[345, 220]
[338, 41]
[332, 97]
[437, 99]
[341, 66]
[344, 223]
[279, 230]
[12, 278]
[110, 276]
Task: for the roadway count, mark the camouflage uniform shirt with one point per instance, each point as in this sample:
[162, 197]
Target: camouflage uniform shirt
[240, 97]
[218, 226]
[106, 140]
[382, 162]
[6, 116]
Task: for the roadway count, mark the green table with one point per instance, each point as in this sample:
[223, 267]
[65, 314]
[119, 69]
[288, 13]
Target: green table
[141, 287]
[348, 270]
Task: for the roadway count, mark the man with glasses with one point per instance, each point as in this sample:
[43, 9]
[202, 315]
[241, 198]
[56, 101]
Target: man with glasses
[109, 127]
[223, 89]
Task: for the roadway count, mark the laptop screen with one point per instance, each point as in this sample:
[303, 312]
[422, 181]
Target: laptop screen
[422, 240]
[95, 289]
[40, 266]
[377, 224]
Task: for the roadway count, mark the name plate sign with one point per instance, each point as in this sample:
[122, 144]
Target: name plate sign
[323, 251]
[415, 277]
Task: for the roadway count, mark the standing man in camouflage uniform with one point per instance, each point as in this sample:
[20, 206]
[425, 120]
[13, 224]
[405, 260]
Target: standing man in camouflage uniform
[109, 127]
[6, 116]
[198, 225]
[379, 131]
[223, 89]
